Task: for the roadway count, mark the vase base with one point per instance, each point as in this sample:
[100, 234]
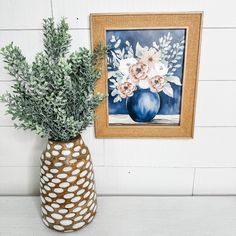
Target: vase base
[77, 225]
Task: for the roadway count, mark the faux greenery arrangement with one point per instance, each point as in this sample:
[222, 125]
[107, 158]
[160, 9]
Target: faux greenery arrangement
[53, 96]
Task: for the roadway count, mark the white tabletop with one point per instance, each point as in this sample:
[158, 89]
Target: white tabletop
[130, 216]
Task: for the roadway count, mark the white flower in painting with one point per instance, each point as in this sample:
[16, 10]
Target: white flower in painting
[125, 64]
[159, 69]
[144, 84]
[150, 57]
[140, 51]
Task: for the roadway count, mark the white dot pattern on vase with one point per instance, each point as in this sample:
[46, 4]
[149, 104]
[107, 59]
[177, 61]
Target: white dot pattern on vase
[83, 211]
[43, 200]
[87, 216]
[75, 172]
[66, 222]
[76, 154]
[48, 199]
[50, 220]
[58, 164]
[85, 185]
[54, 171]
[53, 195]
[57, 147]
[78, 218]
[77, 148]
[83, 151]
[78, 225]
[56, 181]
[68, 197]
[70, 205]
[47, 154]
[58, 190]
[72, 188]
[45, 168]
[66, 152]
[81, 191]
[69, 145]
[47, 188]
[55, 205]
[49, 208]
[72, 161]
[47, 162]
[44, 211]
[72, 179]
[64, 185]
[63, 211]
[45, 222]
[51, 184]
[55, 153]
[49, 175]
[80, 164]
[81, 181]
[87, 165]
[75, 199]
[83, 173]
[62, 176]
[87, 194]
[68, 168]
[58, 227]
[82, 203]
[60, 200]
[88, 157]
[45, 178]
[57, 216]
[70, 215]
[43, 191]
[42, 171]
[77, 209]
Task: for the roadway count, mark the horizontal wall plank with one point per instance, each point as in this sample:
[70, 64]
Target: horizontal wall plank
[78, 12]
[144, 181]
[31, 42]
[215, 181]
[135, 181]
[217, 49]
[23, 148]
[24, 14]
[19, 180]
[211, 147]
[215, 104]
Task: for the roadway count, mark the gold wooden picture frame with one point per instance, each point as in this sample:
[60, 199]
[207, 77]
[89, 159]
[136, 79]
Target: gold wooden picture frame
[149, 75]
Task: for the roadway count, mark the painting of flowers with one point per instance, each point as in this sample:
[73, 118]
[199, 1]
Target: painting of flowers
[145, 70]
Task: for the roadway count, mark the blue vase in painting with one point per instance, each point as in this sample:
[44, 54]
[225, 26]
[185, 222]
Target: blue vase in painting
[143, 106]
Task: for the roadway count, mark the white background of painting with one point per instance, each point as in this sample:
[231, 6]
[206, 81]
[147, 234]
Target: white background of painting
[205, 165]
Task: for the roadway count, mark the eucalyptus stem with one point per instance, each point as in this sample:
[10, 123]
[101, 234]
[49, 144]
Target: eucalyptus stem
[53, 96]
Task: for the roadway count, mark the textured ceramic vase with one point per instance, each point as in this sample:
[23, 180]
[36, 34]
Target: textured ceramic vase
[68, 197]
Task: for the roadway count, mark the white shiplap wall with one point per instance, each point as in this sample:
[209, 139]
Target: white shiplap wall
[203, 165]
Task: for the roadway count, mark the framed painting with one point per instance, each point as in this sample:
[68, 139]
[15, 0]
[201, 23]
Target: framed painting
[149, 74]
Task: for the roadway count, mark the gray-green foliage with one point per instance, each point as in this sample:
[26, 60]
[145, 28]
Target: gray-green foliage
[54, 95]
